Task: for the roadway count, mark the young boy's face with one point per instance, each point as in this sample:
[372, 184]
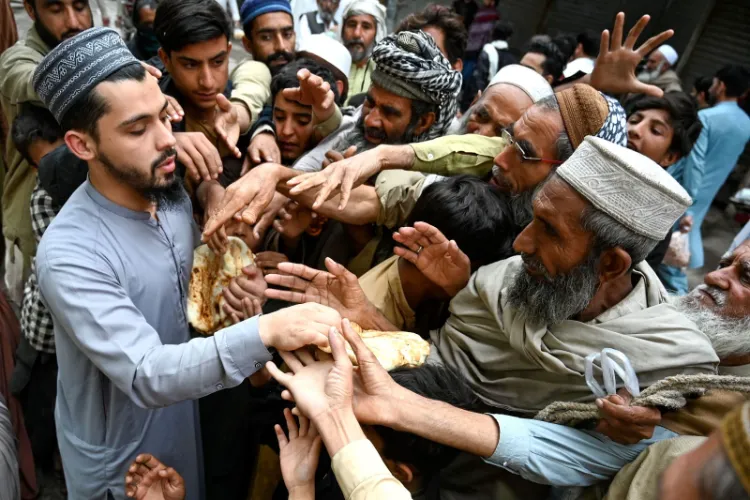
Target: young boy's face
[40, 148]
[650, 133]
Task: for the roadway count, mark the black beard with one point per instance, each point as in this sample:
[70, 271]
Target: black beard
[278, 55]
[357, 137]
[548, 300]
[48, 38]
[166, 196]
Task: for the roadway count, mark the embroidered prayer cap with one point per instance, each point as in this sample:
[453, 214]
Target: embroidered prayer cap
[526, 79]
[586, 111]
[78, 65]
[735, 434]
[627, 186]
[669, 53]
[371, 8]
[329, 53]
[410, 65]
[253, 8]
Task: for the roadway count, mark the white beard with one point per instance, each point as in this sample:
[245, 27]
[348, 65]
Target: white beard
[729, 336]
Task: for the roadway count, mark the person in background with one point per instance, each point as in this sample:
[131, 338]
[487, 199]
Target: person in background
[364, 26]
[230, 6]
[445, 27]
[466, 10]
[544, 57]
[701, 86]
[480, 34]
[585, 53]
[659, 70]
[35, 133]
[144, 45]
[726, 131]
[53, 23]
[332, 55]
[321, 20]
[567, 43]
[269, 32]
[494, 56]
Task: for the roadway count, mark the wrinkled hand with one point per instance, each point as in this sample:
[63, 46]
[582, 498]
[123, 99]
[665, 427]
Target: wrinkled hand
[149, 479]
[440, 260]
[317, 387]
[298, 326]
[623, 423]
[293, 220]
[200, 157]
[313, 91]
[337, 288]
[334, 156]
[227, 123]
[245, 295]
[614, 70]
[269, 262]
[263, 148]
[299, 454]
[686, 223]
[339, 176]
[254, 190]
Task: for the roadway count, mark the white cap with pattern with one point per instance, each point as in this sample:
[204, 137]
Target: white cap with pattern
[525, 79]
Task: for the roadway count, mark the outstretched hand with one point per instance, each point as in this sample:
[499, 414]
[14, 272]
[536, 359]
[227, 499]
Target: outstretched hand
[312, 91]
[227, 124]
[614, 71]
[623, 423]
[149, 479]
[298, 454]
[440, 260]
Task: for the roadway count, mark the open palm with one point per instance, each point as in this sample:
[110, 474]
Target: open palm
[439, 259]
[149, 479]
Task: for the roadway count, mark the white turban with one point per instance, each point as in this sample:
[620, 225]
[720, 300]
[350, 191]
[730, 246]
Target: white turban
[526, 79]
[369, 7]
[669, 54]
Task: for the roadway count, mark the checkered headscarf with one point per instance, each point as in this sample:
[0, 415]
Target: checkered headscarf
[410, 65]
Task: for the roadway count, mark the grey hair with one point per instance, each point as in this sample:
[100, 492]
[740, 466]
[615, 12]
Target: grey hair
[718, 479]
[563, 145]
[608, 233]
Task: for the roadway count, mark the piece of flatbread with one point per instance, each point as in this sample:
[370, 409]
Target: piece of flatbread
[392, 349]
[211, 274]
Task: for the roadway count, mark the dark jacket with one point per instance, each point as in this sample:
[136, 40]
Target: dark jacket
[481, 76]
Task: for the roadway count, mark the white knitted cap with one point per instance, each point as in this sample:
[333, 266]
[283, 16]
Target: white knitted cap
[669, 54]
[627, 186]
[525, 79]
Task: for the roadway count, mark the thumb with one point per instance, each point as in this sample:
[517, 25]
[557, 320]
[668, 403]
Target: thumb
[650, 90]
[223, 103]
[351, 151]
[338, 349]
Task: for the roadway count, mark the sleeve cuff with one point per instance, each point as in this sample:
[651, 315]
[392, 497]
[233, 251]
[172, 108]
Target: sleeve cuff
[242, 345]
[263, 129]
[512, 450]
[355, 463]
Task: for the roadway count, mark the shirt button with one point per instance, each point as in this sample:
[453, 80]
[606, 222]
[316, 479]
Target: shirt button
[505, 464]
[430, 156]
[219, 387]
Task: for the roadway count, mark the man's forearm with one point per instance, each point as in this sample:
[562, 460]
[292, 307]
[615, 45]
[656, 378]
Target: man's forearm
[474, 433]
[337, 429]
[363, 206]
[396, 157]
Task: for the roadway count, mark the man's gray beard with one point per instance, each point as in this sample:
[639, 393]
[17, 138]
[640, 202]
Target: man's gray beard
[359, 56]
[729, 336]
[549, 300]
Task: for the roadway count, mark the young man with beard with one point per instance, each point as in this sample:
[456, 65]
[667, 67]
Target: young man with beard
[363, 27]
[54, 21]
[114, 269]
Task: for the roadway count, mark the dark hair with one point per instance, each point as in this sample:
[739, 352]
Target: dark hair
[589, 40]
[180, 23]
[433, 381]
[702, 84]
[736, 79]
[502, 30]
[286, 78]
[683, 115]
[32, 124]
[445, 19]
[84, 115]
[554, 62]
[471, 212]
[566, 42]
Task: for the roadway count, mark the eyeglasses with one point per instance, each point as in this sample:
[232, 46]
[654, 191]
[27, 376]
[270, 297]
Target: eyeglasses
[512, 142]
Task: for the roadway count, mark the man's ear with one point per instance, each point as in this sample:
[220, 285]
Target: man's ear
[425, 122]
[614, 263]
[402, 472]
[458, 65]
[164, 58]
[80, 144]
[29, 6]
[248, 46]
[669, 159]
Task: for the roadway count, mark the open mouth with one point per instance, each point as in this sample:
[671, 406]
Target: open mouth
[168, 165]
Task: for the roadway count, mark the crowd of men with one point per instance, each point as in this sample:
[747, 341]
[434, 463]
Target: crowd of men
[524, 212]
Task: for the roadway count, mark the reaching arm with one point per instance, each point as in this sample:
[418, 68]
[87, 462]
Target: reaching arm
[694, 166]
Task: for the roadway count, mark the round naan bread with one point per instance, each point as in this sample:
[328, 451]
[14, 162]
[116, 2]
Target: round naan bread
[211, 274]
[392, 349]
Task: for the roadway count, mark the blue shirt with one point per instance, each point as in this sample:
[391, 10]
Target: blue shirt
[115, 282]
[726, 130]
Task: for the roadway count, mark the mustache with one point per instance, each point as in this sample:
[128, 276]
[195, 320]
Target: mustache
[376, 133]
[70, 34]
[280, 55]
[169, 153]
[355, 41]
[534, 264]
[719, 295]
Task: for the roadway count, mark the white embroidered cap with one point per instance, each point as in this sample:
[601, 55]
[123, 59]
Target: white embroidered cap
[627, 186]
[525, 79]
